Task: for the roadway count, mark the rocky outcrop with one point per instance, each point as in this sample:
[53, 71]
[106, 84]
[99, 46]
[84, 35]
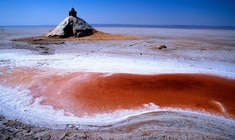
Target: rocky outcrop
[73, 13]
[72, 26]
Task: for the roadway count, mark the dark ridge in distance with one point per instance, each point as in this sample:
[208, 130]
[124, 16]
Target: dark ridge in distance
[26, 26]
[134, 26]
[166, 26]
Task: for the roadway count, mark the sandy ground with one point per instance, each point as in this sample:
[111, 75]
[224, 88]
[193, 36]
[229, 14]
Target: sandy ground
[123, 64]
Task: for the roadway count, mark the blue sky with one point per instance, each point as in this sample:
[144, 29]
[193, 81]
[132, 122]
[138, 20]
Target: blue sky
[150, 12]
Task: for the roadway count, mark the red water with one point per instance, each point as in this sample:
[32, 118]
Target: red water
[90, 93]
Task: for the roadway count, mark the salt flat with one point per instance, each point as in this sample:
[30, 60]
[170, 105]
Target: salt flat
[188, 51]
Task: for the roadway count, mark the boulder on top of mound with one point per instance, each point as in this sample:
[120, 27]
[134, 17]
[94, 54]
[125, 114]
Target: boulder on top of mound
[72, 26]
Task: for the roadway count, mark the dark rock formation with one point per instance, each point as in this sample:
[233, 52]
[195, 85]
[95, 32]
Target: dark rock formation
[162, 47]
[73, 13]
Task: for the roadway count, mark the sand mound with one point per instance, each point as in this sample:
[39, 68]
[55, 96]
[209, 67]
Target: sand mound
[56, 40]
[105, 36]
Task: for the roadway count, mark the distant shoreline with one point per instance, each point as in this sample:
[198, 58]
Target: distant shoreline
[134, 26]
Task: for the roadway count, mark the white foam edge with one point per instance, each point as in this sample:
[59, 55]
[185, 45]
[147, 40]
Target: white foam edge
[17, 104]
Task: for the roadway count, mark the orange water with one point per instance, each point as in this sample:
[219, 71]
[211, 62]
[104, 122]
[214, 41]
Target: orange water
[87, 93]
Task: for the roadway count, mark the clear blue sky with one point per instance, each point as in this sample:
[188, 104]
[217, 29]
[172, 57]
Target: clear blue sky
[150, 12]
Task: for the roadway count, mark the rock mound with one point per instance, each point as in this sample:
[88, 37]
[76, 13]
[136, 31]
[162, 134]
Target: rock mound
[72, 26]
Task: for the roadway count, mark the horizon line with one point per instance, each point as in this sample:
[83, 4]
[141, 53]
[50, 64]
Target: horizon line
[228, 27]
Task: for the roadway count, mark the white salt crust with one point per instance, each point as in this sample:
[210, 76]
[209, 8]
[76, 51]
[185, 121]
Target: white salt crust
[17, 103]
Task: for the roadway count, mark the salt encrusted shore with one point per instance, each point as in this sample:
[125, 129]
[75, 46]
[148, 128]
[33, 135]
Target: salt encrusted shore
[168, 125]
[200, 51]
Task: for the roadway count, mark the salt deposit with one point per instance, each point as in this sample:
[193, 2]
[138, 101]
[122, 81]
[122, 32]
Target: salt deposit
[185, 53]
